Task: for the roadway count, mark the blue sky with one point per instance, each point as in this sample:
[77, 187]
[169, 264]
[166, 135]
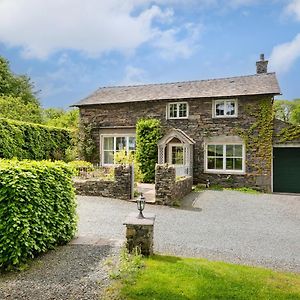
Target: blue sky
[71, 47]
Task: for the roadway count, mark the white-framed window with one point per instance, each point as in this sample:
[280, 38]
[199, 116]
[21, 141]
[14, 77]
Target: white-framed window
[176, 154]
[226, 108]
[111, 144]
[224, 158]
[177, 110]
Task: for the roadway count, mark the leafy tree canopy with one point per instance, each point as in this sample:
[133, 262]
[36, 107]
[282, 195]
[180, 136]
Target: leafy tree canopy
[17, 86]
[16, 109]
[288, 111]
[18, 100]
[58, 117]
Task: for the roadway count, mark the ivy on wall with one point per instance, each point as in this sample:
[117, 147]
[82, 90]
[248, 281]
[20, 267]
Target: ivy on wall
[289, 133]
[32, 141]
[148, 132]
[86, 142]
[259, 136]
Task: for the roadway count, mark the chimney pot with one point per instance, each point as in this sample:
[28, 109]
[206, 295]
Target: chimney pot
[262, 57]
[262, 65]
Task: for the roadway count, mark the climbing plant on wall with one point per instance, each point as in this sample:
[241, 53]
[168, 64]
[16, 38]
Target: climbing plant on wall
[86, 143]
[148, 132]
[259, 136]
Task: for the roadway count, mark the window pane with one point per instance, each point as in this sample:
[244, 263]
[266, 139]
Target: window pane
[120, 143]
[229, 163]
[219, 163]
[173, 110]
[238, 150]
[211, 150]
[131, 143]
[219, 150]
[229, 150]
[219, 108]
[230, 108]
[108, 143]
[182, 110]
[108, 157]
[177, 155]
[211, 163]
[238, 164]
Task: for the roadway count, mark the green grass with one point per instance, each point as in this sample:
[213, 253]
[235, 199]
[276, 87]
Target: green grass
[200, 188]
[173, 278]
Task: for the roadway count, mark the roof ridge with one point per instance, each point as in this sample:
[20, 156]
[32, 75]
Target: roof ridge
[186, 81]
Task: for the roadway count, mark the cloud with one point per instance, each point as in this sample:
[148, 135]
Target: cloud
[293, 8]
[92, 27]
[171, 46]
[285, 55]
[133, 75]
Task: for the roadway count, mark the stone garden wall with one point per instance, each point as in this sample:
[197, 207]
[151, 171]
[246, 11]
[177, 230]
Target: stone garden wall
[168, 189]
[120, 187]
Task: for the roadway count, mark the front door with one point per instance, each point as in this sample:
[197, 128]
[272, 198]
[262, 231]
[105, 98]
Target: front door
[176, 158]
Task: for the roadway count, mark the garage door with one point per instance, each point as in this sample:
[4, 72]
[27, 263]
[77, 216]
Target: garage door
[286, 170]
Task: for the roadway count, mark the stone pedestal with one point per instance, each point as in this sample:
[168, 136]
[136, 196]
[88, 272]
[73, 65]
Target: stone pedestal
[139, 233]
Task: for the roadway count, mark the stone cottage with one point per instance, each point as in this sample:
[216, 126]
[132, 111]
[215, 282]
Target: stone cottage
[220, 130]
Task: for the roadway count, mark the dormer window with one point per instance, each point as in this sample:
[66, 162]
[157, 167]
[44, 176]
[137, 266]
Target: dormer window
[225, 108]
[178, 110]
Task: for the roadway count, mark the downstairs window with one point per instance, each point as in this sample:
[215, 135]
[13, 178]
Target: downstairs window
[227, 158]
[113, 144]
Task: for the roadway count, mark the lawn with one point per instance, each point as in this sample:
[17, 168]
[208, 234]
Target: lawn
[173, 278]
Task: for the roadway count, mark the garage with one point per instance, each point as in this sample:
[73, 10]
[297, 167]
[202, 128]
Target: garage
[286, 169]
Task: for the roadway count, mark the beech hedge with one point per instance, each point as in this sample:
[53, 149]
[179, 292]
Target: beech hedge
[37, 209]
[33, 141]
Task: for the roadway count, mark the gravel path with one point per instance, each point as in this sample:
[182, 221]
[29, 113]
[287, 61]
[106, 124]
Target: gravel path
[69, 272]
[232, 226]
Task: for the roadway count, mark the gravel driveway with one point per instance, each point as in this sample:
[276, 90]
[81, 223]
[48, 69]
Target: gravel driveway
[261, 229]
[230, 226]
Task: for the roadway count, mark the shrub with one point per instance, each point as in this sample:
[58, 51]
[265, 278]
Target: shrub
[148, 132]
[32, 141]
[37, 209]
[121, 157]
[77, 165]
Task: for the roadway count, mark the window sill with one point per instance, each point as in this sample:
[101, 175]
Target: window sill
[224, 117]
[225, 172]
[182, 118]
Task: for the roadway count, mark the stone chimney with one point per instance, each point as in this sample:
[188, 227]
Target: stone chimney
[262, 65]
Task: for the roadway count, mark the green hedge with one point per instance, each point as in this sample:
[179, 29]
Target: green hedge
[148, 133]
[37, 209]
[32, 141]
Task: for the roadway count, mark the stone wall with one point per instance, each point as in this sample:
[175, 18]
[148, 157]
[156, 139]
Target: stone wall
[199, 125]
[120, 187]
[168, 189]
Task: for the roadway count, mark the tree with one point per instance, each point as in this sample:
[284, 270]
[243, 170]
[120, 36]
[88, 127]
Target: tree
[16, 109]
[17, 96]
[283, 109]
[295, 115]
[17, 86]
[58, 117]
[288, 111]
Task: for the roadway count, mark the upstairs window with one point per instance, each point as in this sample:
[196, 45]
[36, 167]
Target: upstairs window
[225, 108]
[177, 110]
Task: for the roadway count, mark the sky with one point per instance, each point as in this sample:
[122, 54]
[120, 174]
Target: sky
[69, 48]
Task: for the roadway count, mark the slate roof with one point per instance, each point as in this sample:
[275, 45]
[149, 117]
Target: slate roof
[258, 84]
